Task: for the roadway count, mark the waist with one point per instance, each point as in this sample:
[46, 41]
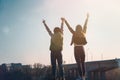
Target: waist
[77, 45]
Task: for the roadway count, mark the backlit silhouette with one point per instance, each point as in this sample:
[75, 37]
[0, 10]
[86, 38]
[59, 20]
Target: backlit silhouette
[79, 41]
[56, 48]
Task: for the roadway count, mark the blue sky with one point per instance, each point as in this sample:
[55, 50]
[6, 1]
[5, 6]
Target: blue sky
[24, 39]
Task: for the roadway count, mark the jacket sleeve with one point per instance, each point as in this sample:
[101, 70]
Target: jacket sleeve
[70, 29]
[48, 30]
[62, 27]
[85, 25]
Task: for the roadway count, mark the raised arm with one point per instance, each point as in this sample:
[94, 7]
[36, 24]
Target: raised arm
[47, 28]
[62, 25]
[70, 29]
[85, 25]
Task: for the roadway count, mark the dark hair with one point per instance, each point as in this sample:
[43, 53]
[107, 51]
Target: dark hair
[57, 29]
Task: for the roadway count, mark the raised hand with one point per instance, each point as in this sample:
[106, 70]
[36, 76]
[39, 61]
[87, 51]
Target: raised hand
[87, 15]
[43, 21]
[63, 19]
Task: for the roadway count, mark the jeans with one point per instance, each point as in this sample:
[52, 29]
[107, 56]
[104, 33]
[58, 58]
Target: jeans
[56, 56]
[79, 54]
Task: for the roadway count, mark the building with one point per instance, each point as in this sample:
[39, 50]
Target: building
[15, 66]
[96, 70]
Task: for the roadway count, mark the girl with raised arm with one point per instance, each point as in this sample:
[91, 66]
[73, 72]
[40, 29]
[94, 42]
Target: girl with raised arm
[56, 49]
[79, 40]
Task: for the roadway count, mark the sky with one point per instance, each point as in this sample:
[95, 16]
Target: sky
[24, 39]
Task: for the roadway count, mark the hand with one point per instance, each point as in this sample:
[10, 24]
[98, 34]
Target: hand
[63, 19]
[87, 15]
[43, 21]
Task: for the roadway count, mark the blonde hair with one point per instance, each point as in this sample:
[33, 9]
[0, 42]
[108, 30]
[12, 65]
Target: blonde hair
[78, 28]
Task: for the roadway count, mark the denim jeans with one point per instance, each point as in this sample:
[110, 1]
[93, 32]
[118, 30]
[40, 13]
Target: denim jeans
[56, 56]
[79, 54]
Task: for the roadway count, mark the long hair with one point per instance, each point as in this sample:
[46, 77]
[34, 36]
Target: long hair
[79, 37]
